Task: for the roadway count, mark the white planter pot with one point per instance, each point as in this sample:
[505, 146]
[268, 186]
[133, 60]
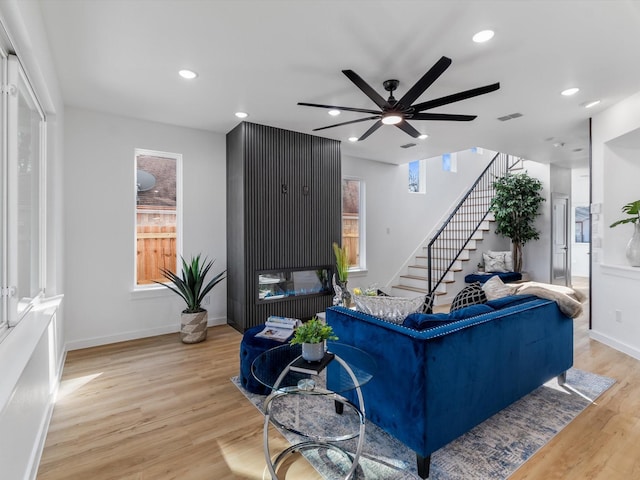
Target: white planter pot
[313, 352]
[193, 327]
[633, 247]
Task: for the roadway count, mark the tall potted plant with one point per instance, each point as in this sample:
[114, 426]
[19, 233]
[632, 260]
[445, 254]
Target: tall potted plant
[191, 288]
[343, 297]
[515, 206]
[633, 247]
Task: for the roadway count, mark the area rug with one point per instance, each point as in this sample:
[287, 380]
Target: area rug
[492, 450]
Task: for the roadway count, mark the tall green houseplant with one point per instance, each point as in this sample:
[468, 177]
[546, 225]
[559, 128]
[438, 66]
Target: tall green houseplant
[515, 206]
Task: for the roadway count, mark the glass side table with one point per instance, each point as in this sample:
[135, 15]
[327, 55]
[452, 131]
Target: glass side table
[350, 369]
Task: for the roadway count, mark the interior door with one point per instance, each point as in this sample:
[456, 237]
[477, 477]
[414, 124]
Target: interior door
[560, 240]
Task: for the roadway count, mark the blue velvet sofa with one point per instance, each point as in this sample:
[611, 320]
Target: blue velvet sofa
[434, 384]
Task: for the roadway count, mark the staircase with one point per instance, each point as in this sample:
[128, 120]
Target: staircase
[434, 270]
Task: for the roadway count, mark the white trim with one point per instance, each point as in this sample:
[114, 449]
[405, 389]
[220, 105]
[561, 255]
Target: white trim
[623, 271]
[616, 344]
[136, 334]
[179, 212]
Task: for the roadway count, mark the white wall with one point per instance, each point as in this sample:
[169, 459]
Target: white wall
[99, 228]
[398, 221]
[579, 198]
[33, 353]
[537, 253]
[614, 177]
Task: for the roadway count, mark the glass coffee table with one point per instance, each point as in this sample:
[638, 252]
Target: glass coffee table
[312, 405]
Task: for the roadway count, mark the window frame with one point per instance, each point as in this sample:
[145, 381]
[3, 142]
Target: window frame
[362, 243]
[179, 214]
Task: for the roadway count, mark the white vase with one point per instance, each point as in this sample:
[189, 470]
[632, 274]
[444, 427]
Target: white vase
[313, 352]
[633, 247]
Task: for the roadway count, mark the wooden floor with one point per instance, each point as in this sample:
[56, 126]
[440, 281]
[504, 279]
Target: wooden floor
[158, 409]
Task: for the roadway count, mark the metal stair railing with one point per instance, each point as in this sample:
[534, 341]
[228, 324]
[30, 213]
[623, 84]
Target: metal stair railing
[465, 219]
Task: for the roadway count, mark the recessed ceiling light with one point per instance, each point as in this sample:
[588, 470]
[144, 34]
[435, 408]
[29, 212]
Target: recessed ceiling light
[570, 91]
[423, 136]
[353, 139]
[591, 104]
[242, 114]
[483, 36]
[188, 74]
[334, 113]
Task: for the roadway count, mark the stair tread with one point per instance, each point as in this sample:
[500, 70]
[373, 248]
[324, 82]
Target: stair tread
[424, 267]
[416, 289]
[418, 277]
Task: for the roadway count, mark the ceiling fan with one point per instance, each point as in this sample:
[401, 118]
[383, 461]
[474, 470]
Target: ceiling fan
[397, 112]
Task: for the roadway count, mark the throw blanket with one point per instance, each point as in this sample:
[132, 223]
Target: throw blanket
[569, 300]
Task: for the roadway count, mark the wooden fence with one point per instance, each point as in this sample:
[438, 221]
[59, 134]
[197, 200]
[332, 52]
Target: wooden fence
[351, 237]
[155, 245]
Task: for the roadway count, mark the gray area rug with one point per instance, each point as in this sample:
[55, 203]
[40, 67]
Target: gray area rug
[492, 450]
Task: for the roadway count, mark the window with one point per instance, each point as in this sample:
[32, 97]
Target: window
[23, 192]
[158, 199]
[417, 177]
[450, 162]
[353, 222]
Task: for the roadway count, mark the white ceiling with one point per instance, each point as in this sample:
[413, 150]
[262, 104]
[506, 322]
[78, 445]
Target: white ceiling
[262, 57]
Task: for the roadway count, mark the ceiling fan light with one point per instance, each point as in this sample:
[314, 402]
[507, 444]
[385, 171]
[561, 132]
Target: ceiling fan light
[391, 119]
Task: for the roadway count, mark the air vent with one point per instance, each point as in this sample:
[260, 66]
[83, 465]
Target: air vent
[509, 117]
[408, 145]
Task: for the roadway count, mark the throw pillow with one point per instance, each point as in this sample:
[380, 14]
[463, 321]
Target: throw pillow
[392, 309]
[469, 295]
[508, 259]
[494, 262]
[494, 288]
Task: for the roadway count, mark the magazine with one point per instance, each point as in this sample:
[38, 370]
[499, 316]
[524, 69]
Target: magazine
[278, 328]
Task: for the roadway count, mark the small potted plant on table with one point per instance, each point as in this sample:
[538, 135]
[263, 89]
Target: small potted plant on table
[312, 336]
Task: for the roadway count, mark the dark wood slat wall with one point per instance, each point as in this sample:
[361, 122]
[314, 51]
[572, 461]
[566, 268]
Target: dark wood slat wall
[283, 212]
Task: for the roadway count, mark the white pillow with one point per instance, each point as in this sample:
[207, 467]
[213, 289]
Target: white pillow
[508, 259]
[494, 288]
[497, 262]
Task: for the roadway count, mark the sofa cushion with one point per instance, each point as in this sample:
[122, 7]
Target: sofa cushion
[469, 295]
[422, 321]
[494, 288]
[510, 301]
[483, 277]
[392, 309]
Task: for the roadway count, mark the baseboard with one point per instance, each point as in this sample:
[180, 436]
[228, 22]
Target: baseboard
[135, 334]
[616, 344]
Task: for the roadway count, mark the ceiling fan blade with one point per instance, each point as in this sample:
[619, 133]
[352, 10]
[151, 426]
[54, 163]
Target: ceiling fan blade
[347, 123]
[335, 107]
[425, 82]
[373, 128]
[443, 116]
[366, 88]
[456, 97]
[405, 127]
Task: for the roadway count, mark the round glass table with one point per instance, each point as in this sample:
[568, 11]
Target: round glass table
[297, 402]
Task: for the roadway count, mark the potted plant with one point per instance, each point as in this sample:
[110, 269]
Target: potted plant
[312, 336]
[191, 288]
[515, 207]
[633, 247]
[343, 297]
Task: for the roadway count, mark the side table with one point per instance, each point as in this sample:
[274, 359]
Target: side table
[350, 369]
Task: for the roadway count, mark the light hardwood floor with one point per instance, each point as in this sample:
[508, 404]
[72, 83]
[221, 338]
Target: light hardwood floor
[158, 409]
